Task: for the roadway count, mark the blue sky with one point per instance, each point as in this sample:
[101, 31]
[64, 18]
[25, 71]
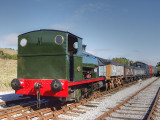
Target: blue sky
[109, 28]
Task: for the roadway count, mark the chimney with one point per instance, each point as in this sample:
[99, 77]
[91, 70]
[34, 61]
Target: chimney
[84, 47]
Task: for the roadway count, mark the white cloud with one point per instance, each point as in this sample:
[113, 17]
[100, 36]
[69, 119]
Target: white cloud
[61, 27]
[9, 41]
[91, 8]
[97, 6]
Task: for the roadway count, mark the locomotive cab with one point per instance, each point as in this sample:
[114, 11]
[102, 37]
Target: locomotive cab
[45, 56]
[49, 54]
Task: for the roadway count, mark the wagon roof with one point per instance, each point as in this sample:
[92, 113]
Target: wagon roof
[140, 63]
[107, 62]
[127, 66]
[52, 30]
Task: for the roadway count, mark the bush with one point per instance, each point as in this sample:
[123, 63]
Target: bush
[7, 56]
[158, 68]
[1, 53]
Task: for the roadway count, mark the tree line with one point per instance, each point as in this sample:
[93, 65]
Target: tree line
[124, 61]
[128, 62]
[158, 66]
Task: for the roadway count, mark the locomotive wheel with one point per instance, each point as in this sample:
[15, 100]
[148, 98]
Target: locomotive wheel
[78, 99]
[78, 95]
[89, 94]
[84, 92]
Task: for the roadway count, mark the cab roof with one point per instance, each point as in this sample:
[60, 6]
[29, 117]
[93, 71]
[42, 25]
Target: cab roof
[52, 30]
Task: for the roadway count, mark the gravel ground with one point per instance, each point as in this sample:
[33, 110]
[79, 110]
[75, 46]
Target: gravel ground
[111, 101]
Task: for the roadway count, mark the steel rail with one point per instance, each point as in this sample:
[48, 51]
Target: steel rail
[154, 107]
[106, 114]
[19, 109]
[75, 105]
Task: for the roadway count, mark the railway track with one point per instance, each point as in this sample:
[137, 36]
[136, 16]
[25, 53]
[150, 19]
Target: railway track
[154, 113]
[137, 106]
[54, 111]
[29, 111]
[5, 104]
[17, 110]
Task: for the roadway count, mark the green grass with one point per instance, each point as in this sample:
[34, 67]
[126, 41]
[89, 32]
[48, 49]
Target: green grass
[7, 56]
[7, 84]
[8, 71]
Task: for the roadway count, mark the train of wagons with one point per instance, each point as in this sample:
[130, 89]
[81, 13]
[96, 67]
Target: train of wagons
[54, 63]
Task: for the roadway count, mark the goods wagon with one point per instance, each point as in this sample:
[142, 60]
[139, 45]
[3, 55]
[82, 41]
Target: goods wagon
[139, 73]
[128, 73]
[154, 69]
[113, 71]
[151, 69]
[144, 66]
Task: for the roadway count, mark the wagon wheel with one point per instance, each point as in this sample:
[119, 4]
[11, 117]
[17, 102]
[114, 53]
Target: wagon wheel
[115, 83]
[111, 84]
[119, 81]
[90, 94]
[107, 86]
[122, 82]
